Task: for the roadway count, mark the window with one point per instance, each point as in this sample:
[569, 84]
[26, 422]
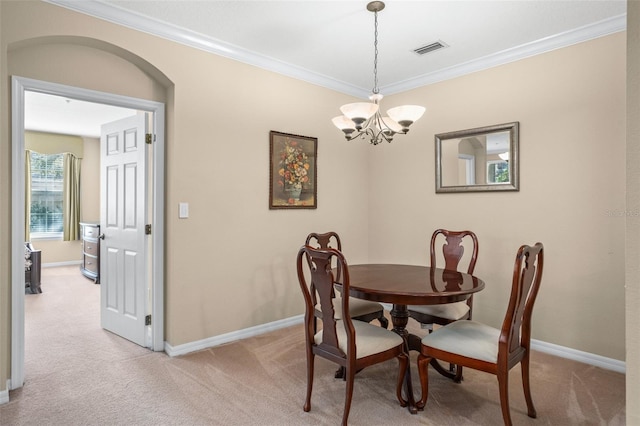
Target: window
[497, 171]
[46, 195]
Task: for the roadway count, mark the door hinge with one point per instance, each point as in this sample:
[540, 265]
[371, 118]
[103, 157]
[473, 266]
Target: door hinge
[147, 320]
[147, 229]
[148, 138]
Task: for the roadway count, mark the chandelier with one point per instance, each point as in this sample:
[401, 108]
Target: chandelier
[363, 119]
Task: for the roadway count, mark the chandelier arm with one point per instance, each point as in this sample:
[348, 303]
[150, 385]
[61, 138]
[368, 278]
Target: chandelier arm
[373, 136]
[355, 135]
[376, 136]
[380, 124]
[376, 129]
[381, 134]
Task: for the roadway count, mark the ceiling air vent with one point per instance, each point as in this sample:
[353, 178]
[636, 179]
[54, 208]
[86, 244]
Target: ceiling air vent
[430, 47]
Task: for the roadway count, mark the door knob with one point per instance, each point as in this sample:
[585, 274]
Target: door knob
[101, 236]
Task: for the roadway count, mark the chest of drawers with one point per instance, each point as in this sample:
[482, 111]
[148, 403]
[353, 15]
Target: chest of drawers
[90, 266]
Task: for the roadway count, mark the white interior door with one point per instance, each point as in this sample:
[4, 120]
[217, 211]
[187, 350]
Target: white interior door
[123, 200]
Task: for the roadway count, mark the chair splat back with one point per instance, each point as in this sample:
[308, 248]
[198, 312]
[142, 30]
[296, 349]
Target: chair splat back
[322, 281]
[325, 241]
[527, 275]
[453, 250]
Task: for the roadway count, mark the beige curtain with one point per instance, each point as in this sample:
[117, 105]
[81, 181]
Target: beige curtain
[71, 197]
[27, 195]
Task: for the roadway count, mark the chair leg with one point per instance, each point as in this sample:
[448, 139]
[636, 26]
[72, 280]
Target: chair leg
[310, 362]
[457, 371]
[458, 376]
[351, 375]
[503, 385]
[423, 365]
[384, 322]
[531, 410]
[403, 361]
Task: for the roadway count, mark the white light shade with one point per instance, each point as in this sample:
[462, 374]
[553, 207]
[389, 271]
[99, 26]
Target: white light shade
[359, 110]
[406, 113]
[504, 156]
[395, 127]
[342, 122]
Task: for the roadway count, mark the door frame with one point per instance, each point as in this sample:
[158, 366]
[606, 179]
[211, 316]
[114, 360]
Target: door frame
[18, 86]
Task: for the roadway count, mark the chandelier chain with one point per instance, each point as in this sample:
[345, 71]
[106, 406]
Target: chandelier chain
[375, 55]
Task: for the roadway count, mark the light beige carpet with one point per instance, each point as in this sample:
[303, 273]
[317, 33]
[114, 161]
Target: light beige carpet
[79, 374]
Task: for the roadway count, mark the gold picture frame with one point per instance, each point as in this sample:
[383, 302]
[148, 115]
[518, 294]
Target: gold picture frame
[292, 171]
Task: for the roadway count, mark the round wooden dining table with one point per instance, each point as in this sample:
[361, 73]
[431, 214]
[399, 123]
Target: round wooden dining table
[403, 285]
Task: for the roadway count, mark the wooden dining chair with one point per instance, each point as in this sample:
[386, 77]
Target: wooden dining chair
[496, 351]
[361, 310]
[452, 250]
[352, 345]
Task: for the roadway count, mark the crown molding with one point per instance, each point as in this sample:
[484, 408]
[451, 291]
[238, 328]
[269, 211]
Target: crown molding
[152, 26]
[119, 16]
[568, 38]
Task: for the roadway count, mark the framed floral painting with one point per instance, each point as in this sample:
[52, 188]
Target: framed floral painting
[292, 171]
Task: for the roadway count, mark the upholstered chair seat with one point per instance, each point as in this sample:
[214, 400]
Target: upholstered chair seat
[470, 339]
[448, 311]
[370, 339]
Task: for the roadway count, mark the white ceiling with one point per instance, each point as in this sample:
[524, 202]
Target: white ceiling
[330, 43]
[56, 114]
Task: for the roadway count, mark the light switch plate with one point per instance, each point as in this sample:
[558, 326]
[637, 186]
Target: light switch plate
[184, 211]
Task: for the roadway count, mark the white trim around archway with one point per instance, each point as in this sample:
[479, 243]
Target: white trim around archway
[19, 85]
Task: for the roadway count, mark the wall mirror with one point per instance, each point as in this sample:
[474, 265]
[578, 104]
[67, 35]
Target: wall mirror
[481, 159]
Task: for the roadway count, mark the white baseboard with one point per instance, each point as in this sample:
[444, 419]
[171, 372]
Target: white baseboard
[537, 345]
[68, 263]
[4, 395]
[576, 355]
[232, 337]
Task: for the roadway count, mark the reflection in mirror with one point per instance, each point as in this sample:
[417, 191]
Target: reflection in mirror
[481, 159]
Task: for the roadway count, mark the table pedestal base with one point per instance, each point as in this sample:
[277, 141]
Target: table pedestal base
[400, 319]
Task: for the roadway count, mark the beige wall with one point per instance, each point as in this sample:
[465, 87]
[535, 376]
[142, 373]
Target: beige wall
[633, 206]
[570, 104]
[53, 143]
[90, 184]
[571, 109]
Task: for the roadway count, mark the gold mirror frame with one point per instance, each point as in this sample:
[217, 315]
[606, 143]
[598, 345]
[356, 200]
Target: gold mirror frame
[467, 160]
